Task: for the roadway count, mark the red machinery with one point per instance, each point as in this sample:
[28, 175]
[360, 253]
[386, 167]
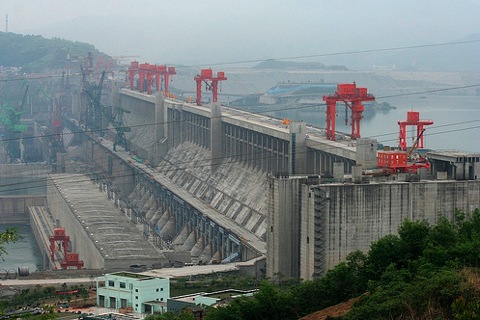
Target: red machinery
[147, 73]
[399, 160]
[413, 119]
[353, 98]
[206, 75]
[71, 259]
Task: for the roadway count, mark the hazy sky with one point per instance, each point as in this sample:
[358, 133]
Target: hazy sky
[214, 31]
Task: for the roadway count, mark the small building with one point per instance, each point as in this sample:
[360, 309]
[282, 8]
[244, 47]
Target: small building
[133, 291]
[204, 299]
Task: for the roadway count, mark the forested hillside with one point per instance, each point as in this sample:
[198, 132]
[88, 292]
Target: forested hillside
[36, 54]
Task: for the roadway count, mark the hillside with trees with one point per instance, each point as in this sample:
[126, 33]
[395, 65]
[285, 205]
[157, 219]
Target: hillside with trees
[35, 54]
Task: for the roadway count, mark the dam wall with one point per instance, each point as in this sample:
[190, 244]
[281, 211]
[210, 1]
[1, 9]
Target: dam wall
[21, 179]
[312, 227]
[14, 209]
[351, 217]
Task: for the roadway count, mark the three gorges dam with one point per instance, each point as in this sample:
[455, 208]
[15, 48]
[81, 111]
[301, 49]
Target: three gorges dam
[202, 183]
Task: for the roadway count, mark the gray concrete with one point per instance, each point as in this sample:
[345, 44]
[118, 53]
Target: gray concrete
[14, 209]
[191, 201]
[99, 231]
[337, 219]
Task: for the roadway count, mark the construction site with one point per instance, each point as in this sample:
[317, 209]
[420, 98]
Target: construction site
[134, 176]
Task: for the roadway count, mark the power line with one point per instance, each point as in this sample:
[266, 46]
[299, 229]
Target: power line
[340, 53]
[254, 112]
[178, 164]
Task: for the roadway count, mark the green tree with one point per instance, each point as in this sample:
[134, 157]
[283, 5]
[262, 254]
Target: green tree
[413, 236]
[382, 254]
[10, 235]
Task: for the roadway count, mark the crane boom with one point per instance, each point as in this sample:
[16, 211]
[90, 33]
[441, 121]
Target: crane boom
[415, 143]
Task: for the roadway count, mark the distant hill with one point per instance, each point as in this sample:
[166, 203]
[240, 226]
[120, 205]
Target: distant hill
[36, 54]
[461, 55]
[291, 65]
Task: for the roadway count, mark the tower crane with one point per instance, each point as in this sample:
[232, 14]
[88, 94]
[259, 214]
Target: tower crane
[116, 120]
[91, 95]
[10, 118]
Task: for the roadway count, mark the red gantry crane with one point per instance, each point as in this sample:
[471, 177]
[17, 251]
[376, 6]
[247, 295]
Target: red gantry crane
[71, 259]
[211, 82]
[353, 98]
[400, 160]
[413, 119]
[150, 74]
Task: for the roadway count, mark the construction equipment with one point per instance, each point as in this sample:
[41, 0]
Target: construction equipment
[413, 119]
[61, 240]
[148, 75]
[118, 124]
[353, 98]
[401, 160]
[211, 83]
[91, 108]
[12, 128]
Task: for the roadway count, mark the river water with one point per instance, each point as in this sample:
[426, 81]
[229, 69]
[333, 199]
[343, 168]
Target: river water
[456, 120]
[22, 253]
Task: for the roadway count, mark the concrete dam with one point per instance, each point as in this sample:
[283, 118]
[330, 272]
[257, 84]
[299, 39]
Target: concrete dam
[211, 184]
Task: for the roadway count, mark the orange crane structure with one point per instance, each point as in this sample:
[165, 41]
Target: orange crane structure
[353, 98]
[148, 73]
[211, 82]
[71, 259]
[413, 119]
[399, 160]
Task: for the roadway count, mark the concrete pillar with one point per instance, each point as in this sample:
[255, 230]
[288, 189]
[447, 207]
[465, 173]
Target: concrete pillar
[160, 147]
[366, 154]
[297, 148]
[357, 174]
[216, 135]
[283, 227]
[338, 171]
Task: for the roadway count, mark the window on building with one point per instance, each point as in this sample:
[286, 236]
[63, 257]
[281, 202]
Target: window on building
[122, 285]
[157, 290]
[161, 289]
[101, 300]
[136, 297]
[161, 299]
[111, 283]
[136, 290]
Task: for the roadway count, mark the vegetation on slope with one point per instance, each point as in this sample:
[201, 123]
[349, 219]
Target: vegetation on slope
[36, 54]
